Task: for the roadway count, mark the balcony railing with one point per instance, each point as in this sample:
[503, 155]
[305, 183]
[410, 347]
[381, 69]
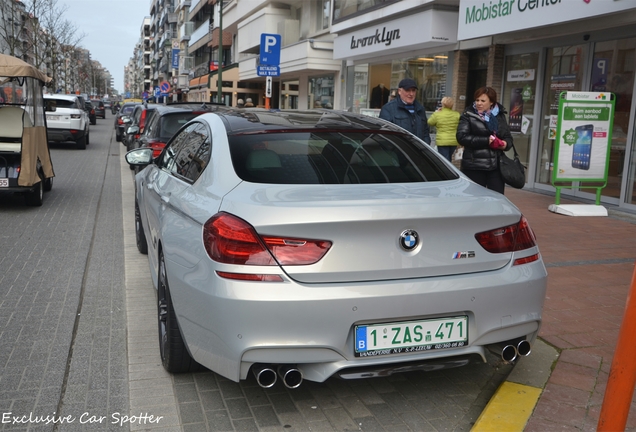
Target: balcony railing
[201, 31]
[186, 31]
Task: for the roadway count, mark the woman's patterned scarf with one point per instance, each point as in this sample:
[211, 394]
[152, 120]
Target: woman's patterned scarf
[489, 116]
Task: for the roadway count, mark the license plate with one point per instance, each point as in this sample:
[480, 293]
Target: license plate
[4, 182]
[411, 336]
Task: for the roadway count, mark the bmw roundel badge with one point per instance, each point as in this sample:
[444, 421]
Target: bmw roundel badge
[409, 239]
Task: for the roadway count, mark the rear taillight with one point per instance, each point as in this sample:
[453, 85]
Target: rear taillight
[157, 147]
[251, 277]
[120, 121]
[290, 251]
[510, 238]
[231, 240]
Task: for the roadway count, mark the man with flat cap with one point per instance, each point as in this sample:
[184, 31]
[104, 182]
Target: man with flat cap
[406, 112]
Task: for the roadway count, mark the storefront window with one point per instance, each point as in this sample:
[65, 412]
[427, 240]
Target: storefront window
[563, 73]
[613, 71]
[361, 87]
[320, 92]
[518, 98]
[289, 95]
[429, 72]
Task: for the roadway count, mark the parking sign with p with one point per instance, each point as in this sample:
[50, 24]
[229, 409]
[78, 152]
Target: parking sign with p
[270, 49]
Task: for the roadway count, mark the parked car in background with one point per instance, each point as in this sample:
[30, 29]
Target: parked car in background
[100, 108]
[306, 244]
[139, 118]
[166, 121]
[107, 104]
[69, 121]
[123, 114]
[90, 109]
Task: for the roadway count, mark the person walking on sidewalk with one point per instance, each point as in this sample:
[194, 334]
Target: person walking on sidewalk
[485, 134]
[446, 121]
[406, 112]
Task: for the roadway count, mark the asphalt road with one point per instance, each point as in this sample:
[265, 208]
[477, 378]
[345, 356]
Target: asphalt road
[65, 363]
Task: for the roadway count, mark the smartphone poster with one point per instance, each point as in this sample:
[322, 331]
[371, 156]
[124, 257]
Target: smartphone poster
[583, 137]
[516, 110]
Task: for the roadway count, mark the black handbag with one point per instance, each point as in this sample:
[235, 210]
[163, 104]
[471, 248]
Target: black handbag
[511, 170]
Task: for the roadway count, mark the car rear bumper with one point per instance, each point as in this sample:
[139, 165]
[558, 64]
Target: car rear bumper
[231, 325]
[64, 135]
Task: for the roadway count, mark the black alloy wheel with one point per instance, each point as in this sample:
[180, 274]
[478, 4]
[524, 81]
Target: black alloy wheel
[140, 235]
[175, 357]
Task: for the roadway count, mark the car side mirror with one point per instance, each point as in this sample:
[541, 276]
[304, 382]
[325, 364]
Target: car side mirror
[139, 157]
[50, 105]
[126, 120]
[132, 130]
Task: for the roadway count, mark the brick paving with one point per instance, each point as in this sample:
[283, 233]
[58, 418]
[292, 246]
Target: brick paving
[61, 296]
[590, 262]
[72, 293]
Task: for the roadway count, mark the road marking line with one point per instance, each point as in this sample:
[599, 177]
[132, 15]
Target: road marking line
[509, 409]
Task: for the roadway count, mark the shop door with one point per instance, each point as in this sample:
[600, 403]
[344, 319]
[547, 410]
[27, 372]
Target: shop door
[477, 72]
[613, 71]
[518, 97]
[564, 72]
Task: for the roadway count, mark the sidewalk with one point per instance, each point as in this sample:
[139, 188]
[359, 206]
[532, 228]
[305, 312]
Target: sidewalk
[590, 261]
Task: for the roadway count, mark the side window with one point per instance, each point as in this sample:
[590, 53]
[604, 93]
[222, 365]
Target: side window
[169, 161]
[150, 126]
[199, 146]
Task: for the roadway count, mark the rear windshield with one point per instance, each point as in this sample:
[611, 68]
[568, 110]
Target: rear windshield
[309, 157]
[171, 123]
[63, 103]
[127, 109]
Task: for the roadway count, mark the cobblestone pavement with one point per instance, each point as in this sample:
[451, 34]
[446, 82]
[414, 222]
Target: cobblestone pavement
[62, 305]
[449, 400]
[78, 337]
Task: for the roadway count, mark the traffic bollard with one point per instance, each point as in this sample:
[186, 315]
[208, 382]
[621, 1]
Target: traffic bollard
[622, 376]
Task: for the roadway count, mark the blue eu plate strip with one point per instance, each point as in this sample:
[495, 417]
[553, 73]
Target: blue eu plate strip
[361, 339]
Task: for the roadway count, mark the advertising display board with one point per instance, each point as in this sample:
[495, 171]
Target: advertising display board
[583, 139]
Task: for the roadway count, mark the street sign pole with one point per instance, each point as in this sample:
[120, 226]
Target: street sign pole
[269, 62]
[268, 91]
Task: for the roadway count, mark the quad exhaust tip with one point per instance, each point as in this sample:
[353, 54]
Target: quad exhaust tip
[267, 375]
[514, 349]
[291, 376]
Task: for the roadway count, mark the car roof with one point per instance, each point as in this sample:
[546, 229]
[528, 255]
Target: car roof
[60, 96]
[188, 107]
[260, 120]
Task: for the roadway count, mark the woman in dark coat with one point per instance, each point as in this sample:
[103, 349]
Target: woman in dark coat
[484, 133]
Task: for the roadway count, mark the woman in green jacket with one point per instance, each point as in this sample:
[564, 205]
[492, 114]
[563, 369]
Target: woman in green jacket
[446, 121]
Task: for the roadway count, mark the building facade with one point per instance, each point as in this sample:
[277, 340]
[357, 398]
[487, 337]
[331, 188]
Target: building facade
[351, 54]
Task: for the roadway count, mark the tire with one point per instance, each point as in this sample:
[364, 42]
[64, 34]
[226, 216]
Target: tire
[88, 138]
[117, 137]
[174, 354]
[81, 143]
[94, 122]
[35, 197]
[48, 184]
[140, 235]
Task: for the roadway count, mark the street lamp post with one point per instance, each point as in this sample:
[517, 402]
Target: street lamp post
[220, 69]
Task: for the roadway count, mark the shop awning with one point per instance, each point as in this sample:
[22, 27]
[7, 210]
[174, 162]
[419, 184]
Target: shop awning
[426, 30]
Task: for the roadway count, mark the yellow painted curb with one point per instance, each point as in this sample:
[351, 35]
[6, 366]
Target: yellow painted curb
[509, 409]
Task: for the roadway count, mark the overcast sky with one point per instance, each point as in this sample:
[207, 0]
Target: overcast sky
[112, 28]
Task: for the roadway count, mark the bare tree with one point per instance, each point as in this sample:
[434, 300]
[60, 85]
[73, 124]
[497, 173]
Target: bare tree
[13, 27]
[60, 33]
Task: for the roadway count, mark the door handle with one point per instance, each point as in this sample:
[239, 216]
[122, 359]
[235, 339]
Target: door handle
[165, 198]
